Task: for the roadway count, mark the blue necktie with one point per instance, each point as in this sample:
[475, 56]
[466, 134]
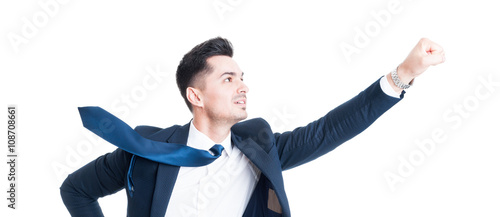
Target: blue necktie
[118, 133]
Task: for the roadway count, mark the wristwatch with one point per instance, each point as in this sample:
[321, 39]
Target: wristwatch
[398, 82]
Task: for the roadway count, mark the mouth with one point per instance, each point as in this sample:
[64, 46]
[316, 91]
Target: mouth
[241, 102]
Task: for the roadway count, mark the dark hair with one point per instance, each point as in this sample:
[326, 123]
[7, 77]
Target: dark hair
[194, 63]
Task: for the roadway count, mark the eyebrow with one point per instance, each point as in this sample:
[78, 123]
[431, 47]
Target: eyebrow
[231, 73]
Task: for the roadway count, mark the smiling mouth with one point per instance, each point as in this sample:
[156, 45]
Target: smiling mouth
[241, 100]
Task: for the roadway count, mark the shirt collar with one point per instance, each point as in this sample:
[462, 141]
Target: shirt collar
[199, 140]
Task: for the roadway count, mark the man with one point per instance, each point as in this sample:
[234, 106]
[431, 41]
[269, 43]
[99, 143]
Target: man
[246, 180]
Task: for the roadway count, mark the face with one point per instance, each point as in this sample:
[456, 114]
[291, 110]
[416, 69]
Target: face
[223, 95]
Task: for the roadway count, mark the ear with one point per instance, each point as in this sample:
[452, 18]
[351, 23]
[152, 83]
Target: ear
[194, 96]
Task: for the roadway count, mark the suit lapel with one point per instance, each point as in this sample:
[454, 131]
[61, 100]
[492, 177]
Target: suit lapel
[166, 175]
[266, 160]
[253, 152]
[257, 148]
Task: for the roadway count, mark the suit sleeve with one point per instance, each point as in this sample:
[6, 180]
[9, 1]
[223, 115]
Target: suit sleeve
[101, 177]
[340, 124]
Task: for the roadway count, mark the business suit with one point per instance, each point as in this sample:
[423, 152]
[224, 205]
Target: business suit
[149, 184]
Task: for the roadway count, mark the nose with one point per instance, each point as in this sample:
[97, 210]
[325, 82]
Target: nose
[243, 88]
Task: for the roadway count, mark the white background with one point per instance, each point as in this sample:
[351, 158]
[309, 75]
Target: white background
[100, 52]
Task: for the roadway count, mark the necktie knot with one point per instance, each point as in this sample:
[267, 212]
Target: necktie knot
[217, 149]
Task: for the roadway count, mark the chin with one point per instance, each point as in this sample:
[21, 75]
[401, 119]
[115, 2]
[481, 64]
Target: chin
[242, 117]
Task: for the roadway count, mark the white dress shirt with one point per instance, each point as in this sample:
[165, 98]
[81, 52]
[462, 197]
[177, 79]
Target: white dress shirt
[222, 188]
[386, 87]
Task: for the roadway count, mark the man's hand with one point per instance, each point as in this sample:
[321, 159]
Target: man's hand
[426, 53]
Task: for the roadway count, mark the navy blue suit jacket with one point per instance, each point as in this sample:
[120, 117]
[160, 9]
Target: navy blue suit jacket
[149, 184]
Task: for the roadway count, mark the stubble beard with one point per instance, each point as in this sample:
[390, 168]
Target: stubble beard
[222, 119]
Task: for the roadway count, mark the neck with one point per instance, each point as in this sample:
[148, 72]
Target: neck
[216, 131]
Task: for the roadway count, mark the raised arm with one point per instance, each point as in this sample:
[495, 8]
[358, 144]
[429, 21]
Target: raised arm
[354, 116]
[340, 124]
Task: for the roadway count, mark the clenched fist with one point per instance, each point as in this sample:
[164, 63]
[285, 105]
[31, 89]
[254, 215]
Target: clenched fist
[426, 53]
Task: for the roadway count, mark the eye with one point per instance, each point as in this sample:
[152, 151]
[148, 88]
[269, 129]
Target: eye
[228, 79]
